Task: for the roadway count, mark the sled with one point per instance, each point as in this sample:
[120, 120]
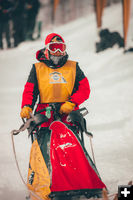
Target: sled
[71, 173]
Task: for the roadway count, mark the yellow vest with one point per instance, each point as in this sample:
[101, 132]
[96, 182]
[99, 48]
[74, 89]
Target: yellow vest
[55, 85]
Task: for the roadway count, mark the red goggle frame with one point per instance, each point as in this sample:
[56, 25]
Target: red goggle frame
[56, 46]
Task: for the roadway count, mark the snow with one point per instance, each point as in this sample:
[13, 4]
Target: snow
[110, 117]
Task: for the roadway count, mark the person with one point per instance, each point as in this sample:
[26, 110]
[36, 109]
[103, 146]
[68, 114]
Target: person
[18, 22]
[40, 19]
[30, 12]
[70, 90]
[6, 8]
[56, 79]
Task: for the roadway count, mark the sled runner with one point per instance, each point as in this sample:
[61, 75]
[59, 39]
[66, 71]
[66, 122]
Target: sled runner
[60, 166]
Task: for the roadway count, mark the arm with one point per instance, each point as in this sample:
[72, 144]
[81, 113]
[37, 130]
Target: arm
[80, 92]
[31, 91]
[81, 89]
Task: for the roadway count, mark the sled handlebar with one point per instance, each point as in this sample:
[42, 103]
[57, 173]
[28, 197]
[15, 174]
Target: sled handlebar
[37, 119]
[40, 111]
[55, 107]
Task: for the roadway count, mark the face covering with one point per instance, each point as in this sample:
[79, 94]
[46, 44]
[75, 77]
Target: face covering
[55, 59]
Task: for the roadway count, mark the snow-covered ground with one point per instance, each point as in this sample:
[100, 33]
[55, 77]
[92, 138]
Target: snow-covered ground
[110, 105]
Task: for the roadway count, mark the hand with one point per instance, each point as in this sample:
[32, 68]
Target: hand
[25, 112]
[67, 107]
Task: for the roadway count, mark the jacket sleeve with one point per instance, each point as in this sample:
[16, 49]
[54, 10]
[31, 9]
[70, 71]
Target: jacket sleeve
[31, 91]
[81, 89]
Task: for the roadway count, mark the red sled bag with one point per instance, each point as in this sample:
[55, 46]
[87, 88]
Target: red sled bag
[73, 172]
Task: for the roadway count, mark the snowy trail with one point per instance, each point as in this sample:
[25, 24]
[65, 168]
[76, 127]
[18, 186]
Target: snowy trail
[110, 117]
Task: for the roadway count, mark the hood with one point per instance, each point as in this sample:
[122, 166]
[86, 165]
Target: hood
[40, 56]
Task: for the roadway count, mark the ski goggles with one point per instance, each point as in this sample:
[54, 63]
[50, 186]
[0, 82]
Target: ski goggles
[56, 46]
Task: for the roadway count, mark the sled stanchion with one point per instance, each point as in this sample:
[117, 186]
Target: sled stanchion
[82, 138]
[23, 120]
[92, 151]
[32, 140]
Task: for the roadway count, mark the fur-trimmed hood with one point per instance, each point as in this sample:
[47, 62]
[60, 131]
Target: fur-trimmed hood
[40, 56]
